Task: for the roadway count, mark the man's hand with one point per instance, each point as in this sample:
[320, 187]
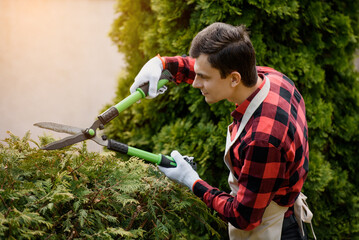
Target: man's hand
[150, 72]
[183, 173]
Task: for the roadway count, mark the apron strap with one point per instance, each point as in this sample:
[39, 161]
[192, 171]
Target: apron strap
[302, 213]
[252, 107]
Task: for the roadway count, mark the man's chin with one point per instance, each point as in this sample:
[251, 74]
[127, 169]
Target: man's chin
[209, 101]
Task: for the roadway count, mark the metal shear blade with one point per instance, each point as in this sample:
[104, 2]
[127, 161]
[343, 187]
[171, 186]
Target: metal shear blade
[61, 128]
[78, 135]
[65, 142]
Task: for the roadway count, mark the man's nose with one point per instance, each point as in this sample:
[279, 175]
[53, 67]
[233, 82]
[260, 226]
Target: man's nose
[196, 83]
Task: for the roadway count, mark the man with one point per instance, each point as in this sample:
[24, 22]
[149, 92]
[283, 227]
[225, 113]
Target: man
[267, 149]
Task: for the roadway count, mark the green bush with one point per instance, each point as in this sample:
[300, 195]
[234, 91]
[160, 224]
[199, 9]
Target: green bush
[76, 194]
[312, 42]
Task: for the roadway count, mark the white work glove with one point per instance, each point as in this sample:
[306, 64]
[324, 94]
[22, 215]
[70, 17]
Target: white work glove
[183, 173]
[150, 72]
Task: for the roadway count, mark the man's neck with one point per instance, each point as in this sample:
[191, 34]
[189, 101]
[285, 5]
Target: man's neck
[243, 92]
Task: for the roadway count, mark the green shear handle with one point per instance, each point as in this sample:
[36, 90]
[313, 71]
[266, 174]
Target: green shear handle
[159, 159]
[141, 92]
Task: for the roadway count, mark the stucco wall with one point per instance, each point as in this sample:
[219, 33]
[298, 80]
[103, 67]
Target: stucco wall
[57, 63]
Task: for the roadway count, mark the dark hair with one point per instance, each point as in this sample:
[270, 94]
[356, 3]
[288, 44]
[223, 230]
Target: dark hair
[229, 49]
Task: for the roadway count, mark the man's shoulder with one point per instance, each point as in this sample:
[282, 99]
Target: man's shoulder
[267, 70]
[264, 69]
[275, 76]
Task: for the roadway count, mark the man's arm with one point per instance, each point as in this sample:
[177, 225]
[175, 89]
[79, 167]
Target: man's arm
[259, 179]
[182, 68]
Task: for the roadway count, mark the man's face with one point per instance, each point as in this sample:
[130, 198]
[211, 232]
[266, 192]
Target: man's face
[209, 81]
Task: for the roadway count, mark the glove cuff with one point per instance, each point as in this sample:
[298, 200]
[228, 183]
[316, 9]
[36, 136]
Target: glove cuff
[163, 61]
[191, 180]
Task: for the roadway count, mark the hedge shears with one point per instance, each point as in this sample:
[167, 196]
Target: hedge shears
[90, 133]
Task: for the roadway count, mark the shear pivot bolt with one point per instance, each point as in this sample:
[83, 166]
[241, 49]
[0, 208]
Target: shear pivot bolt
[89, 132]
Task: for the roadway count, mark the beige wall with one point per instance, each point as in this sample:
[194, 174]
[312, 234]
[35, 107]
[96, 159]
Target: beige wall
[57, 63]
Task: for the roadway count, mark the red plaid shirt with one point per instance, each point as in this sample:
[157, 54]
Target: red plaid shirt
[270, 157]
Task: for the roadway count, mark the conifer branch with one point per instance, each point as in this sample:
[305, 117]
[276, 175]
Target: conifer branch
[3, 201]
[133, 217]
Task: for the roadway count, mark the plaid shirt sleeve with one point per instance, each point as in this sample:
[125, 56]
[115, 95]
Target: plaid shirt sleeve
[182, 68]
[259, 179]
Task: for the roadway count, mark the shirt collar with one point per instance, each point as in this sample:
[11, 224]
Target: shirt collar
[238, 113]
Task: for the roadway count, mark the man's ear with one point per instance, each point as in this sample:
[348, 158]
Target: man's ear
[235, 78]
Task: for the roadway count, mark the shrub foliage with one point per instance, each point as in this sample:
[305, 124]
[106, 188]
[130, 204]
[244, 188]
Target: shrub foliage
[76, 194]
[312, 42]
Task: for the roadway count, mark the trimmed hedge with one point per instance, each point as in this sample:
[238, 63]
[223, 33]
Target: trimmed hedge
[76, 194]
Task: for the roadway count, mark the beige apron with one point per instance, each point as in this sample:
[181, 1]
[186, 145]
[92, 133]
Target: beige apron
[272, 221]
